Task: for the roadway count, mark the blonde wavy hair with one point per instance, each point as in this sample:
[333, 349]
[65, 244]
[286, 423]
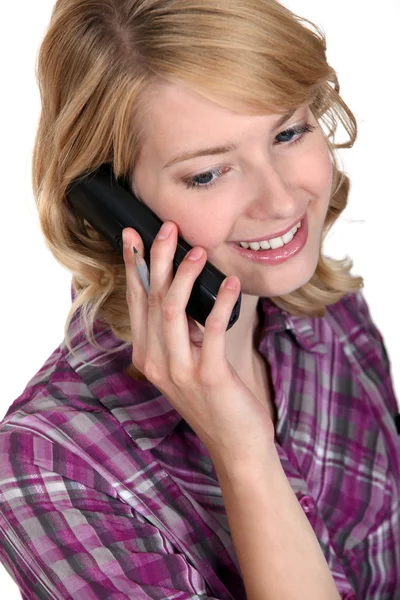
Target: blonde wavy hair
[96, 62]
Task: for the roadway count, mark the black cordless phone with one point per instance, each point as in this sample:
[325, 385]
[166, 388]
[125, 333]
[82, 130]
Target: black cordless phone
[109, 205]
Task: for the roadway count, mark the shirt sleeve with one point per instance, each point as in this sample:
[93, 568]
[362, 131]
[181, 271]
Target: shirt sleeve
[63, 540]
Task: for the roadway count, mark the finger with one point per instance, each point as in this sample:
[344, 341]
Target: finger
[135, 293]
[161, 276]
[214, 342]
[161, 263]
[175, 322]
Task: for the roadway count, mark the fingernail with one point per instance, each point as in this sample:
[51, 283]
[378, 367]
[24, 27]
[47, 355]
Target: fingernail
[231, 283]
[165, 231]
[195, 254]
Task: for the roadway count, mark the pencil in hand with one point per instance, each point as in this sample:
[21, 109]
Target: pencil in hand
[142, 270]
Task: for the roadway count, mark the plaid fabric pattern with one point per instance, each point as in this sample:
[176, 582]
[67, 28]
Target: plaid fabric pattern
[106, 492]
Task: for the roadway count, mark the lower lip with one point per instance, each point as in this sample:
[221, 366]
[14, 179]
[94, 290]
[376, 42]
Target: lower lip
[279, 255]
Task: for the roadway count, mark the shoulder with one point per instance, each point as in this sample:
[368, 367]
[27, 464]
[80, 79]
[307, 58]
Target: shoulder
[55, 386]
[49, 423]
[351, 312]
[364, 345]
[352, 321]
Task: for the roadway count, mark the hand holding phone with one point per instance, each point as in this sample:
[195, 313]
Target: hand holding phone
[190, 366]
[109, 205]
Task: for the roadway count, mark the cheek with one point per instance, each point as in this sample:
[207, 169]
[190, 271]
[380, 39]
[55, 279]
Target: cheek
[322, 170]
[198, 229]
[322, 184]
[194, 223]
[315, 174]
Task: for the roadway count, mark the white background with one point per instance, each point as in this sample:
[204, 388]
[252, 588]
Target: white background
[363, 47]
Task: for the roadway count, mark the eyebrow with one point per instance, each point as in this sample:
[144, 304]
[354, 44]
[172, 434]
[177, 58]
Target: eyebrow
[221, 149]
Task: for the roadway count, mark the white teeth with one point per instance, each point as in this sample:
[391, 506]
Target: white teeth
[288, 237]
[254, 245]
[277, 242]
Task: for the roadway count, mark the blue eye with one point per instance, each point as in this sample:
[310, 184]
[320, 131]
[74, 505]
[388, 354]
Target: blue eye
[205, 181]
[299, 130]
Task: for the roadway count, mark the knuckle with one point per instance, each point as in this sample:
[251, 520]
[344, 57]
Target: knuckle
[180, 377]
[169, 310]
[154, 299]
[137, 351]
[137, 363]
[130, 297]
[137, 357]
[215, 324]
[208, 377]
[151, 371]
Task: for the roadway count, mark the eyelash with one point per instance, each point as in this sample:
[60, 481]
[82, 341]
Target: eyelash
[301, 130]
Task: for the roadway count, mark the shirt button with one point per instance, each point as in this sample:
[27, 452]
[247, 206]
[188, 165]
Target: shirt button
[308, 504]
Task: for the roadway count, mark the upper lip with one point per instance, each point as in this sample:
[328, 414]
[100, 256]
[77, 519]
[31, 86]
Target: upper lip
[271, 236]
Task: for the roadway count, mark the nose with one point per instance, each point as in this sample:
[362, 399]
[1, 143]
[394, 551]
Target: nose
[272, 195]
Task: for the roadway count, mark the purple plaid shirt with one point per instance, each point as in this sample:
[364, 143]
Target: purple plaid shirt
[106, 492]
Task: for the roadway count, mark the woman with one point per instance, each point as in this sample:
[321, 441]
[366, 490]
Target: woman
[191, 461]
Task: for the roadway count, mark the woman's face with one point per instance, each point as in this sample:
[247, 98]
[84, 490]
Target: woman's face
[259, 189]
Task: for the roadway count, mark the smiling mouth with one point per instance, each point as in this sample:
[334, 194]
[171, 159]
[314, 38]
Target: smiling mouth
[272, 243]
[274, 236]
[280, 250]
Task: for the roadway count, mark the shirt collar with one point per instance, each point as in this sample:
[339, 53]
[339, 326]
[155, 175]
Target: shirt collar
[306, 330]
[144, 412]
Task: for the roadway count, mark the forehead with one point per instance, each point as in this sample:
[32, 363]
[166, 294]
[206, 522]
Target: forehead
[176, 110]
[176, 114]
[183, 101]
